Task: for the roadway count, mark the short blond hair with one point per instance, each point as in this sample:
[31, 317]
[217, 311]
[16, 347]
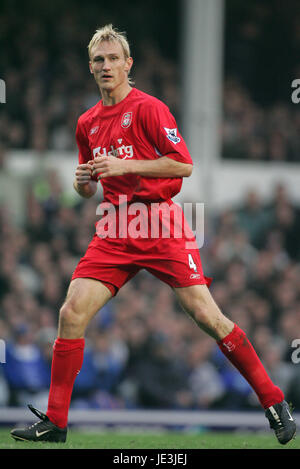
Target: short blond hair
[111, 34]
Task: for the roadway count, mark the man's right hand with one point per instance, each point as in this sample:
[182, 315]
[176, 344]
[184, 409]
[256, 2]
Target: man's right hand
[83, 174]
[83, 183]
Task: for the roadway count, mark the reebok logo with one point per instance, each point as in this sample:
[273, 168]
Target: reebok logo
[94, 130]
[194, 276]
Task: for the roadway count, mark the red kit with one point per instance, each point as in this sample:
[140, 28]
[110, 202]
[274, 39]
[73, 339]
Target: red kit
[140, 127]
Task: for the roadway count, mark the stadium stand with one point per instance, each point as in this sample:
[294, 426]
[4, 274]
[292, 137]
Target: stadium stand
[142, 352]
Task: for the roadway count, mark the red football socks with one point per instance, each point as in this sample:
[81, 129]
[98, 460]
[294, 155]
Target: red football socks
[68, 357]
[237, 348]
[66, 364]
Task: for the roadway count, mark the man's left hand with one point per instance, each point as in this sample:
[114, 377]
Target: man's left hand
[107, 166]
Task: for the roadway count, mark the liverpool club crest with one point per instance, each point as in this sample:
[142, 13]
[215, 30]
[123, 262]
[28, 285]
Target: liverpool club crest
[126, 120]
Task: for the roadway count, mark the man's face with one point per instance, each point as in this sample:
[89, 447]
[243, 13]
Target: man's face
[109, 66]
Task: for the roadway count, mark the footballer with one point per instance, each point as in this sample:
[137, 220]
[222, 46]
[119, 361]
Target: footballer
[130, 142]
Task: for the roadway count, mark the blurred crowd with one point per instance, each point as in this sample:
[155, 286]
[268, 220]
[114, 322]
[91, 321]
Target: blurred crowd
[48, 83]
[141, 348]
[44, 62]
[254, 132]
[261, 60]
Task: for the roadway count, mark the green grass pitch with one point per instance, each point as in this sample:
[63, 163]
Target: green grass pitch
[166, 440]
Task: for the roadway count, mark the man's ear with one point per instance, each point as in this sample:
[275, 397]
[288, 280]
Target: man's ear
[90, 67]
[129, 63]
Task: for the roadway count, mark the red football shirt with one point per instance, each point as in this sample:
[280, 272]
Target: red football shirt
[139, 127]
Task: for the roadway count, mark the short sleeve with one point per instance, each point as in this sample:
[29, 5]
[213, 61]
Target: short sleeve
[162, 130]
[84, 154]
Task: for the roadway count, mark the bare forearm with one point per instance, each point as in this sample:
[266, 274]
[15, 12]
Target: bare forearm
[162, 167]
[85, 190]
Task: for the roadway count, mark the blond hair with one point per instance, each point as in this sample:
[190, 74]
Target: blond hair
[110, 34]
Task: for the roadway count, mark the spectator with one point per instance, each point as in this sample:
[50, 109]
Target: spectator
[26, 370]
[139, 341]
[205, 383]
[142, 350]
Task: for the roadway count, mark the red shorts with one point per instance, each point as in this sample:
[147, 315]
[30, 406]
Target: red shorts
[114, 261]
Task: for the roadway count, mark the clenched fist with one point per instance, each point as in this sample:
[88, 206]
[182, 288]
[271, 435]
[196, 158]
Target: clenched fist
[83, 174]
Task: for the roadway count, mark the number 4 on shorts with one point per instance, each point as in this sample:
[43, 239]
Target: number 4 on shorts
[192, 263]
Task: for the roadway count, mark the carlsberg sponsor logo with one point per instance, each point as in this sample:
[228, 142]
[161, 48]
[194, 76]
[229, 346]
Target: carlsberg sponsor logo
[123, 151]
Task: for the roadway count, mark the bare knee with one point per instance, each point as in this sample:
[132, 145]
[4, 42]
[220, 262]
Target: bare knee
[71, 321]
[211, 319]
[199, 310]
[205, 312]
